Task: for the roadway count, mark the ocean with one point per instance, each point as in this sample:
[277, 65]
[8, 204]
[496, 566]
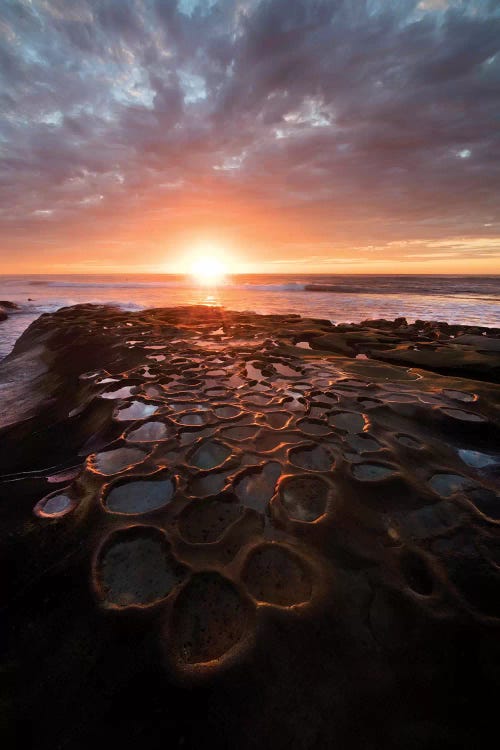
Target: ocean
[471, 300]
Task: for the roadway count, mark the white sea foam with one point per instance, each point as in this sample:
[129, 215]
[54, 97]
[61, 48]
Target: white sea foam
[291, 287]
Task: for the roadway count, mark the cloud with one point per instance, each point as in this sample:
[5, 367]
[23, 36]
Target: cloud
[367, 122]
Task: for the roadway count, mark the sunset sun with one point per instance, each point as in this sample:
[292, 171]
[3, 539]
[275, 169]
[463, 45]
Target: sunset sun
[208, 270]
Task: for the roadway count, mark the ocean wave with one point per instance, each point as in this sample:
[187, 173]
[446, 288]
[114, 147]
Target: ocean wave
[293, 286]
[370, 287]
[283, 287]
[51, 306]
[336, 288]
[112, 284]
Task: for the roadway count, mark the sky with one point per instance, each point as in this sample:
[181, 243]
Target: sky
[289, 136]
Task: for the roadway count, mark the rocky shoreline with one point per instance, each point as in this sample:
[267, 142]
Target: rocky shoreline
[251, 530]
[6, 307]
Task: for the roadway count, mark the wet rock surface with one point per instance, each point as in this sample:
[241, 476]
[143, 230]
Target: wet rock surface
[214, 536]
[6, 307]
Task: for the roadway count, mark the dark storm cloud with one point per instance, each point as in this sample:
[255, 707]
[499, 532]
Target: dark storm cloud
[378, 117]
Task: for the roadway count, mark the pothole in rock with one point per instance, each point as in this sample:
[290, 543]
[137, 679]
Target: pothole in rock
[54, 505]
[363, 443]
[367, 403]
[240, 432]
[312, 457]
[367, 472]
[277, 419]
[317, 411]
[179, 406]
[324, 398]
[256, 488]
[149, 432]
[205, 521]
[136, 567]
[257, 399]
[191, 382]
[464, 416]
[269, 441]
[284, 370]
[252, 372]
[217, 392]
[347, 421]
[135, 410]
[302, 385]
[235, 381]
[226, 412]
[154, 391]
[293, 402]
[477, 459]
[447, 484]
[304, 498]
[431, 520]
[209, 455]
[209, 619]
[429, 398]
[400, 398]
[139, 495]
[353, 383]
[115, 461]
[211, 484]
[124, 392]
[66, 475]
[313, 427]
[459, 395]
[275, 575]
[408, 441]
[188, 436]
[192, 420]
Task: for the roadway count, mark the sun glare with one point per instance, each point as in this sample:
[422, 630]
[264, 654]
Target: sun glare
[208, 270]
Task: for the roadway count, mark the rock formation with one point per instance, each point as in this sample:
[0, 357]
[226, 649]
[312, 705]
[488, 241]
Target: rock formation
[250, 531]
[5, 308]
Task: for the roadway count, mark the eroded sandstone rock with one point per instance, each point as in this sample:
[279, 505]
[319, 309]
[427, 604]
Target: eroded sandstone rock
[233, 540]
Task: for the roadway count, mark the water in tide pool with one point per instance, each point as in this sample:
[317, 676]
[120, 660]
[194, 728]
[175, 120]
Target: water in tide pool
[471, 300]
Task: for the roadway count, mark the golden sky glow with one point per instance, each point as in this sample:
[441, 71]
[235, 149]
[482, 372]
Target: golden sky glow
[248, 128]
